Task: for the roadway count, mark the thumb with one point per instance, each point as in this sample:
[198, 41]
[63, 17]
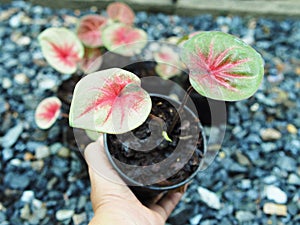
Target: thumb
[104, 179]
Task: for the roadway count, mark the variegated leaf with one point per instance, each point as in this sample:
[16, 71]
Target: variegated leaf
[47, 112]
[124, 40]
[168, 62]
[61, 48]
[109, 101]
[89, 30]
[121, 12]
[222, 67]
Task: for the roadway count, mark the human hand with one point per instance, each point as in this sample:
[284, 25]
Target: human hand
[113, 202]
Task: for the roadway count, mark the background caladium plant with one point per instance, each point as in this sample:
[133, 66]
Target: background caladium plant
[89, 30]
[109, 101]
[125, 40]
[120, 12]
[47, 112]
[61, 48]
[221, 66]
[168, 62]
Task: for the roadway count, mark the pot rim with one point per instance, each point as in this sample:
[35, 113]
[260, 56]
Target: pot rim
[153, 187]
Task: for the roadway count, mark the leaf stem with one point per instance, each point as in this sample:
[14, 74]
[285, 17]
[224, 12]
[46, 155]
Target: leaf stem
[180, 109]
[64, 115]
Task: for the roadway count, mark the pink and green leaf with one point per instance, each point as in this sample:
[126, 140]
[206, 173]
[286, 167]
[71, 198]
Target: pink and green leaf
[120, 12]
[124, 40]
[89, 30]
[61, 48]
[47, 112]
[168, 62]
[109, 101]
[91, 61]
[222, 67]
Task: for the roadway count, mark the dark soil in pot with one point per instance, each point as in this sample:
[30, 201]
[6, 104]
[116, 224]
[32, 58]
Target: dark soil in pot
[186, 151]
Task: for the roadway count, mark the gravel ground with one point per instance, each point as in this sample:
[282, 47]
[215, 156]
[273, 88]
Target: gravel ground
[254, 179]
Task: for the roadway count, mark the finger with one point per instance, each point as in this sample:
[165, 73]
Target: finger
[105, 181]
[166, 205]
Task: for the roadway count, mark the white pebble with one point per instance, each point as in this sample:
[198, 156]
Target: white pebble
[27, 196]
[64, 214]
[209, 198]
[6, 83]
[276, 194]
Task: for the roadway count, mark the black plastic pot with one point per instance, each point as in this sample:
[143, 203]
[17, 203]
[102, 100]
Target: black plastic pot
[147, 193]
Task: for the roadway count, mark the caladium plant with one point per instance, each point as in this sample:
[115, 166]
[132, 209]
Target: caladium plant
[220, 67]
[68, 52]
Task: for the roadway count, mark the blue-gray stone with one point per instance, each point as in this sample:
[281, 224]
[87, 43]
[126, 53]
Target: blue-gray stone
[12, 136]
[268, 147]
[2, 105]
[287, 163]
[17, 181]
[2, 217]
[15, 21]
[7, 154]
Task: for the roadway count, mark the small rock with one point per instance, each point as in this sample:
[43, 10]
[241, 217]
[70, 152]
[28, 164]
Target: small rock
[79, 218]
[42, 152]
[292, 208]
[242, 159]
[244, 216]
[24, 40]
[37, 165]
[291, 129]
[27, 196]
[12, 136]
[196, 219]
[245, 184]
[6, 83]
[270, 134]
[270, 179]
[28, 156]
[64, 214]
[15, 21]
[209, 198]
[268, 147]
[275, 209]
[64, 152]
[47, 84]
[276, 194]
[25, 212]
[287, 163]
[7, 154]
[2, 218]
[17, 181]
[81, 202]
[21, 78]
[51, 183]
[294, 179]
[15, 162]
